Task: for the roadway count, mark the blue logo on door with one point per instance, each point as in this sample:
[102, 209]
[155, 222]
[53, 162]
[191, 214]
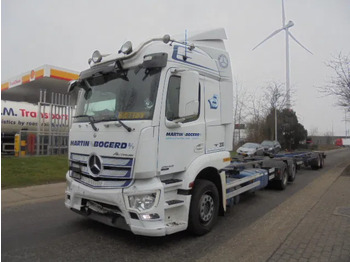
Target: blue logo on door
[214, 102]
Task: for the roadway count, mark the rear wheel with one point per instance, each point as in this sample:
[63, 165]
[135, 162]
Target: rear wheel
[282, 184]
[292, 172]
[321, 161]
[204, 207]
[316, 163]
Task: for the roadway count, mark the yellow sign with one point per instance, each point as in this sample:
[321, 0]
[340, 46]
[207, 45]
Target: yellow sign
[131, 115]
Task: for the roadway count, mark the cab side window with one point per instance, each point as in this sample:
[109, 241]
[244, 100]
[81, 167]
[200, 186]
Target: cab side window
[172, 100]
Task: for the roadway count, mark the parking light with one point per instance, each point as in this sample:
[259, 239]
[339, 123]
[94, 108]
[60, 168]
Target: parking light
[150, 216]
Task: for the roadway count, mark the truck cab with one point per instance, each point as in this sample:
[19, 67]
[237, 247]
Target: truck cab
[152, 130]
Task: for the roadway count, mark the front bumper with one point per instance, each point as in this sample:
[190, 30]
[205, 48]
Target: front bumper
[109, 206]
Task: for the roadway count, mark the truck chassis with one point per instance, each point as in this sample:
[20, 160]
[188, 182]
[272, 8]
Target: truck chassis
[253, 173]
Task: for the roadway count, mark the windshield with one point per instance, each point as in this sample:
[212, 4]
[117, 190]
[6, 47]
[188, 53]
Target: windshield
[124, 94]
[267, 143]
[250, 145]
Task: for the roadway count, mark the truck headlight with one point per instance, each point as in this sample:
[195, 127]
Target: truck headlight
[142, 202]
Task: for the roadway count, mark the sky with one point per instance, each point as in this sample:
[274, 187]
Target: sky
[65, 33]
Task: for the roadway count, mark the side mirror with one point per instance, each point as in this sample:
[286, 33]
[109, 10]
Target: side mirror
[172, 124]
[72, 84]
[188, 99]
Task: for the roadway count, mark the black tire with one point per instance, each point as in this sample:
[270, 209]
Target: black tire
[316, 163]
[278, 165]
[282, 184]
[292, 172]
[204, 207]
[321, 161]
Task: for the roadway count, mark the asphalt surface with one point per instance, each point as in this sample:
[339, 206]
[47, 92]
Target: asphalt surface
[42, 229]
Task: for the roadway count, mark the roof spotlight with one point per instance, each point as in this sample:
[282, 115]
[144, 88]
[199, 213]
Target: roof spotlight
[126, 48]
[96, 57]
[166, 39]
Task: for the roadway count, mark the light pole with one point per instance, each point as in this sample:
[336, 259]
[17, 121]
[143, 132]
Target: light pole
[276, 124]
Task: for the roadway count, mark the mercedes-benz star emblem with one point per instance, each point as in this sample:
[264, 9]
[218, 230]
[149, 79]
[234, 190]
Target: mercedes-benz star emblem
[223, 61]
[95, 164]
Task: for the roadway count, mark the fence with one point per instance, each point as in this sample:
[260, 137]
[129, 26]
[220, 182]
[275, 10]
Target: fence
[41, 143]
[52, 135]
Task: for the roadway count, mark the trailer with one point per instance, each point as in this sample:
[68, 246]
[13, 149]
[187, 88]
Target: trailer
[249, 174]
[313, 159]
[279, 171]
[342, 142]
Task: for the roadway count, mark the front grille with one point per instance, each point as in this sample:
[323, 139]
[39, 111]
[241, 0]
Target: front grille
[115, 172]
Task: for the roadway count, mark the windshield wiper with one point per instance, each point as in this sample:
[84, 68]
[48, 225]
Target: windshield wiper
[91, 120]
[129, 129]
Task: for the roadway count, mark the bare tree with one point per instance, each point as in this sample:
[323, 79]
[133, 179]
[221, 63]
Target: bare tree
[255, 126]
[275, 100]
[240, 109]
[265, 110]
[329, 137]
[274, 96]
[339, 84]
[313, 131]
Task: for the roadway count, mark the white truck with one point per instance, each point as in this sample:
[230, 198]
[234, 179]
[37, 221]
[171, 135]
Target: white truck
[151, 140]
[346, 141]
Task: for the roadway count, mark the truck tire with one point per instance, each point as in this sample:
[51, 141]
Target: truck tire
[292, 171]
[316, 163]
[278, 165]
[282, 184]
[321, 161]
[204, 207]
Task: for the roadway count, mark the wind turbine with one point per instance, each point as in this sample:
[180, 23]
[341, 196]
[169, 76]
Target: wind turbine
[285, 27]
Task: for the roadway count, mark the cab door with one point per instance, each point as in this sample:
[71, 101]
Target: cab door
[181, 139]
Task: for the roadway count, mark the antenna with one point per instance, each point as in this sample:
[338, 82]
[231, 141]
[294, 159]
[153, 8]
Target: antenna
[285, 27]
[186, 43]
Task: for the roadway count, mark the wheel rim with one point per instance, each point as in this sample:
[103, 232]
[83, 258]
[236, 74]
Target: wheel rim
[293, 171]
[206, 208]
[285, 178]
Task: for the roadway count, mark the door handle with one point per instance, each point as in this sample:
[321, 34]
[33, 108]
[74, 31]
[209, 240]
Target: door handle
[199, 148]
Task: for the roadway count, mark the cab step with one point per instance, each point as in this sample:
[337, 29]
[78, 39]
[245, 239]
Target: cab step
[171, 183]
[173, 203]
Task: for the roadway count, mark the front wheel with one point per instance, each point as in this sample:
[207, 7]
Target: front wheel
[204, 207]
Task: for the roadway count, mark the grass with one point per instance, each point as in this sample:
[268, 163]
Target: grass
[327, 147]
[32, 170]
